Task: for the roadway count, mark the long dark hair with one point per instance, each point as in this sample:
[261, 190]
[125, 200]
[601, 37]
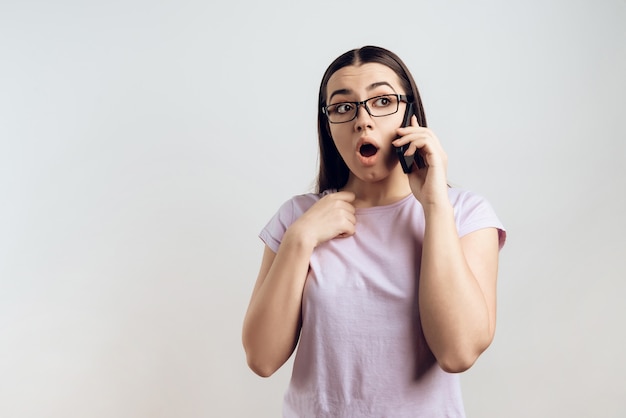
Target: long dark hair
[333, 171]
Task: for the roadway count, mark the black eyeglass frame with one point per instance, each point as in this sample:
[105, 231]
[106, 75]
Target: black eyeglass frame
[401, 98]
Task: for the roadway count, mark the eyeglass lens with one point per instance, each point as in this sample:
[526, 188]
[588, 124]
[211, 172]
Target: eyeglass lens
[376, 106]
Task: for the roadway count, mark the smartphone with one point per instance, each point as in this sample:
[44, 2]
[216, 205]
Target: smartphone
[406, 161]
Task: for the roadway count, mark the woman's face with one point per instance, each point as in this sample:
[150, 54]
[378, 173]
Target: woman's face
[364, 143]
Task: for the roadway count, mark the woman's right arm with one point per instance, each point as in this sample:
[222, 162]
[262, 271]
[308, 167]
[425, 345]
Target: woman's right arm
[272, 324]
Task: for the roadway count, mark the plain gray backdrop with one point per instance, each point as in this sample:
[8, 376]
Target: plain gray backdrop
[143, 145]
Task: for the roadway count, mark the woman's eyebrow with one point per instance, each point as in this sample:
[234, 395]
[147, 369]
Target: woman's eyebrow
[370, 87]
[380, 83]
[340, 91]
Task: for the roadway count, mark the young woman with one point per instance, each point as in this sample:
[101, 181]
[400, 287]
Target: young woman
[384, 280]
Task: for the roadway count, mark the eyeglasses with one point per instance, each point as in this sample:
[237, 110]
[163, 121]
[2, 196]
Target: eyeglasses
[378, 106]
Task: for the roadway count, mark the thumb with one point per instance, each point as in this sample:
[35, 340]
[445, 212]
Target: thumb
[346, 196]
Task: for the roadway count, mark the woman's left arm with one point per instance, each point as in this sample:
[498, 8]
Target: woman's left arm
[457, 288]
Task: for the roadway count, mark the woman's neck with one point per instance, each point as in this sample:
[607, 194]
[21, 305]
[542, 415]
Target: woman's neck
[385, 192]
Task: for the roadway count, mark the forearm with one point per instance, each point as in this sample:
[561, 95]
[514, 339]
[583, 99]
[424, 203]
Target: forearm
[454, 313]
[272, 322]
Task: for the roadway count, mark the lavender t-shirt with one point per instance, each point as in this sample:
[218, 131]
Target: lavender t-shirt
[362, 352]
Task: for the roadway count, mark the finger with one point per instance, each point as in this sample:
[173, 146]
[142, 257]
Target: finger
[345, 195]
[411, 127]
[351, 218]
[415, 142]
[348, 231]
[410, 133]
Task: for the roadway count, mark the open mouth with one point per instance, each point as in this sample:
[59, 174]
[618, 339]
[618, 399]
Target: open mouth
[368, 150]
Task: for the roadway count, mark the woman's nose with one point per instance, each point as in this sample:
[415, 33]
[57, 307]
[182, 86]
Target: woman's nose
[363, 119]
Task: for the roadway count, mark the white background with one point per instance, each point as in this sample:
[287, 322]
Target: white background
[144, 144]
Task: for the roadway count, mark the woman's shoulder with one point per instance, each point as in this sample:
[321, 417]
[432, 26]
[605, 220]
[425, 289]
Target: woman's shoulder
[298, 204]
[460, 196]
[473, 211]
[470, 205]
[287, 213]
[310, 198]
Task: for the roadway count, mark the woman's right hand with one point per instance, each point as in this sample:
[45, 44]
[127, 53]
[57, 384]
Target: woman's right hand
[331, 217]
[272, 324]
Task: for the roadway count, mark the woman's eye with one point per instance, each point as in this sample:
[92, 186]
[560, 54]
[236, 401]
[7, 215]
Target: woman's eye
[383, 101]
[343, 107]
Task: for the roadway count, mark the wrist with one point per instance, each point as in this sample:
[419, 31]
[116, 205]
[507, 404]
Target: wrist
[297, 237]
[438, 207]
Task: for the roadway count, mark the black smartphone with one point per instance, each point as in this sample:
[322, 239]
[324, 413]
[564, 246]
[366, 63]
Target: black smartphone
[406, 161]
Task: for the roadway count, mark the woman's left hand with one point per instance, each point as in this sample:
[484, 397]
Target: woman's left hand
[428, 184]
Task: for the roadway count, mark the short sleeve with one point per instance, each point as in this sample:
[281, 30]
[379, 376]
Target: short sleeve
[473, 212]
[272, 234]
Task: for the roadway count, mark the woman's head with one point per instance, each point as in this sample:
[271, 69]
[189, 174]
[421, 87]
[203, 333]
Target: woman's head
[333, 172]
